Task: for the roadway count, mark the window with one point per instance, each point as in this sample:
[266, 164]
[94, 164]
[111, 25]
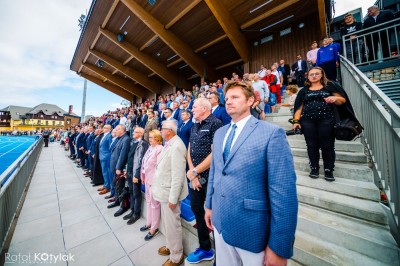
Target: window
[54, 123]
[285, 31]
[267, 39]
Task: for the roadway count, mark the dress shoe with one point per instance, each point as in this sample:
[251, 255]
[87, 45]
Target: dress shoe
[111, 200]
[120, 212]
[108, 197]
[112, 205]
[164, 251]
[100, 189]
[96, 185]
[104, 191]
[144, 228]
[133, 219]
[150, 235]
[128, 216]
[170, 263]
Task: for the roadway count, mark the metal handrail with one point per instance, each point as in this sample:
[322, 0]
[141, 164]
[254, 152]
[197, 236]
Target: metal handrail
[16, 178]
[380, 118]
[355, 49]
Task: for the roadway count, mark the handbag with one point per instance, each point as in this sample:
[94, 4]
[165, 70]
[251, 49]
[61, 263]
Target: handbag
[346, 129]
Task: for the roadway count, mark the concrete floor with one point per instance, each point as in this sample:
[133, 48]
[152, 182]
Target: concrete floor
[63, 214]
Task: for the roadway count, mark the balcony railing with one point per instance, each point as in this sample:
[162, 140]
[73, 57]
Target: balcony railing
[375, 44]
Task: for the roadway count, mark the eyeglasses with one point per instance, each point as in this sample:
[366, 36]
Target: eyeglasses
[314, 74]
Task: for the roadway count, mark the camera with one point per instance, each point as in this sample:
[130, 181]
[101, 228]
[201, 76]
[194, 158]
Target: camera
[296, 131]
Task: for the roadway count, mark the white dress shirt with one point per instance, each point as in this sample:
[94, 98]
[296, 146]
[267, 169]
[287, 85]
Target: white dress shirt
[240, 125]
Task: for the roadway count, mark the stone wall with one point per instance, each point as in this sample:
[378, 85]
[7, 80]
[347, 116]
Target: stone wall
[384, 74]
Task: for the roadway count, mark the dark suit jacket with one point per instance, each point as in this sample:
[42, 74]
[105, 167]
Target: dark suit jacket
[384, 16]
[137, 149]
[303, 67]
[221, 114]
[143, 121]
[80, 140]
[184, 132]
[119, 153]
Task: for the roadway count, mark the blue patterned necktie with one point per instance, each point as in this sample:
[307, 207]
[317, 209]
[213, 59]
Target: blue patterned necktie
[229, 141]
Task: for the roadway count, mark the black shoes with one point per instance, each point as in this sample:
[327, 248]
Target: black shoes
[329, 175]
[133, 219]
[120, 212]
[128, 216]
[150, 236]
[108, 197]
[114, 204]
[144, 228]
[314, 172]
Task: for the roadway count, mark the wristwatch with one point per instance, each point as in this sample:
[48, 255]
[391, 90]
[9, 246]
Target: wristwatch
[194, 171]
[202, 180]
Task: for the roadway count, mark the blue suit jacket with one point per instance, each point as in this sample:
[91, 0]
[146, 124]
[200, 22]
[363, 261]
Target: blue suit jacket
[177, 115]
[254, 190]
[89, 141]
[184, 132]
[105, 152]
[222, 115]
[79, 140]
[119, 153]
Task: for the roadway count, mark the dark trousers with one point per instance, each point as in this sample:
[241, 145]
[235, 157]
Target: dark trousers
[372, 44]
[330, 70]
[135, 196]
[197, 199]
[300, 78]
[72, 149]
[319, 134]
[46, 142]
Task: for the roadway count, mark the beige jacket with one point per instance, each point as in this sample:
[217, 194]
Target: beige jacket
[169, 183]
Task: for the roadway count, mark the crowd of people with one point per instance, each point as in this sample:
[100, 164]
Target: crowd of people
[205, 143]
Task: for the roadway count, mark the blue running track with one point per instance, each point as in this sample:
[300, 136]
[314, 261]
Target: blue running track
[11, 148]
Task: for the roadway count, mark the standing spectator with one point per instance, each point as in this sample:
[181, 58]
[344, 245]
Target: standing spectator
[218, 111]
[262, 72]
[266, 203]
[151, 124]
[376, 17]
[185, 127]
[97, 174]
[312, 54]
[279, 80]
[314, 105]
[271, 80]
[328, 59]
[149, 165]
[353, 45]
[262, 87]
[285, 70]
[170, 188]
[105, 156]
[137, 150]
[299, 68]
[199, 159]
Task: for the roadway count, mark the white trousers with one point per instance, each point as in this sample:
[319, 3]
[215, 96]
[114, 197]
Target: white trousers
[227, 255]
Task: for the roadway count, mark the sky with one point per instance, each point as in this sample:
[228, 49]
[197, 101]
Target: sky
[38, 41]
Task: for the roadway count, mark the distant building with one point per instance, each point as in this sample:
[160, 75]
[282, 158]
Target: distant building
[36, 118]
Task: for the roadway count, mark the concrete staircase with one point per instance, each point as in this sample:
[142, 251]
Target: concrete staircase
[340, 222]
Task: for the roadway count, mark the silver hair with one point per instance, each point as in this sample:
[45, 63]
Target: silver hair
[203, 103]
[171, 124]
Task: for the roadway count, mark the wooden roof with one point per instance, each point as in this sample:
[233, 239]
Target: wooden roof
[173, 41]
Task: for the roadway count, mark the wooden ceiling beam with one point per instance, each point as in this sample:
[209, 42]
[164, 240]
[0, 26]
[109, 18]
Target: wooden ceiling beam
[109, 86]
[121, 82]
[175, 62]
[169, 38]
[182, 13]
[152, 74]
[230, 27]
[211, 43]
[153, 64]
[152, 39]
[322, 18]
[109, 14]
[269, 13]
[142, 79]
[229, 64]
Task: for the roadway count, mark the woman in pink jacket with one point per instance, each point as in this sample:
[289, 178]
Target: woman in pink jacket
[149, 164]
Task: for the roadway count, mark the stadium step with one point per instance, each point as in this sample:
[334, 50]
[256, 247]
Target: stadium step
[340, 222]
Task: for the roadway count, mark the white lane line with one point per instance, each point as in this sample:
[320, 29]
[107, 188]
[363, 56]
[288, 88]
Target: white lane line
[11, 150]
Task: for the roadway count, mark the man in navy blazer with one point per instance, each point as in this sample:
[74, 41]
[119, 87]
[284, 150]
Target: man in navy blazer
[185, 127]
[251, 195]
[119, 158]
[176, 112]
[218, 111]
[105, 156]
[300, 69]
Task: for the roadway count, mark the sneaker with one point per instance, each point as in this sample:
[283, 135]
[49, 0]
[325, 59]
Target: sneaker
[314, 172]
[329, 175]
[200, 255]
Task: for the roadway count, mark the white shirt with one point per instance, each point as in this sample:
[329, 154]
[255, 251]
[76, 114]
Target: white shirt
[122, 121]
[240, 125]
[213, 108]
[278, 75]
[262, 73]
[299, 64]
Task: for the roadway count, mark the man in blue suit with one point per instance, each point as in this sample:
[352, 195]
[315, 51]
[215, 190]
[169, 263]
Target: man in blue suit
[80, 147]
[185, 127]
[105, 156]
[118, 160]
[251, 196]
[89, 142]
[176, 112]
[217, 110]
